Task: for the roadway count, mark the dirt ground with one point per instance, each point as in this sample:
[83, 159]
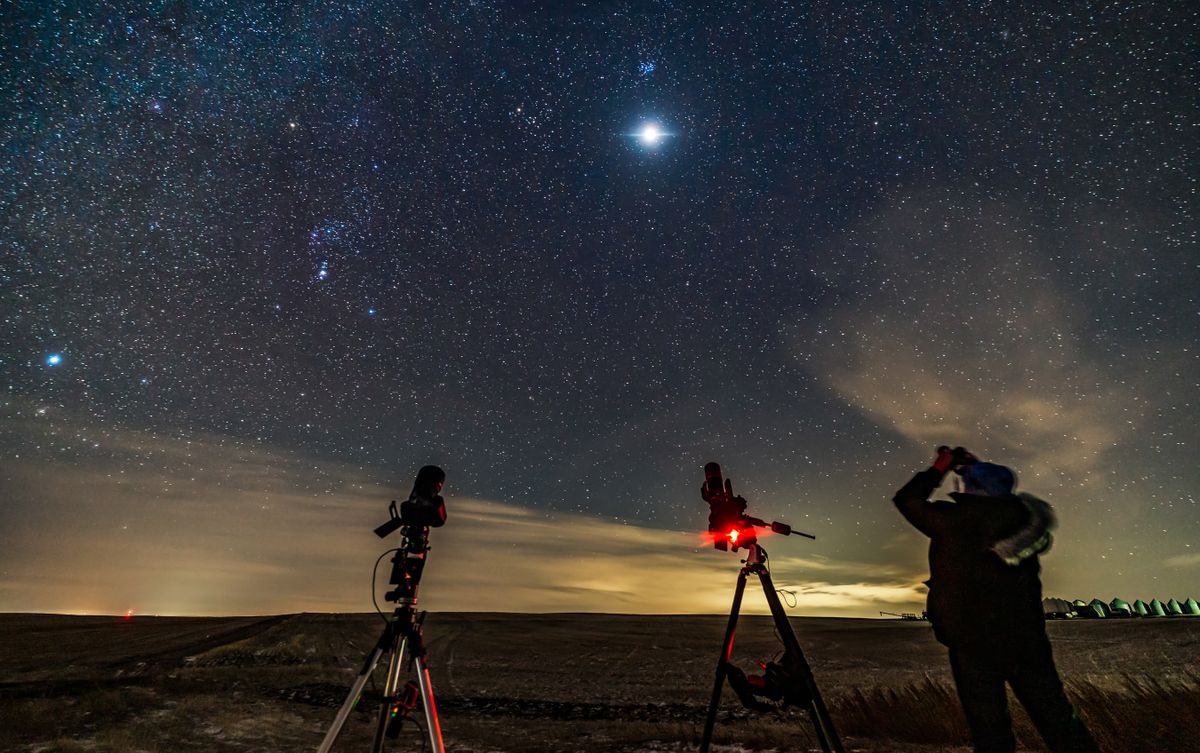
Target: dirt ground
[514, 683]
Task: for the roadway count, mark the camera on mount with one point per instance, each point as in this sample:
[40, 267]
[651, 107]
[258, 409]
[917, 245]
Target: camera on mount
[730, 526]
[424, 508]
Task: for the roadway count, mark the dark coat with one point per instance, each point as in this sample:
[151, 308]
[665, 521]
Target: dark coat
[976, 599]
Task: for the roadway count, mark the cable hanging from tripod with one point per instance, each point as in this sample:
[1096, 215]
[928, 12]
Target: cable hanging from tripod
[421, 727]
[374, 572]
[790, 597]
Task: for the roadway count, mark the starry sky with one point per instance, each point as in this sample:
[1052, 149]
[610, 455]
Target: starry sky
[260, 262]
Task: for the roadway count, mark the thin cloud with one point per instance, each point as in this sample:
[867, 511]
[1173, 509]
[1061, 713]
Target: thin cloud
[1183, 560]
[197, 526]
[951, 328]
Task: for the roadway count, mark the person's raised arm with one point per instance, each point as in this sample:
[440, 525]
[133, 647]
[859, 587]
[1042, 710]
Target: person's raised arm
[913, 498]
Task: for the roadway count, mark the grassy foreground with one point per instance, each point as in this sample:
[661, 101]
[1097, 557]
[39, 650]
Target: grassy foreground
[516, 683]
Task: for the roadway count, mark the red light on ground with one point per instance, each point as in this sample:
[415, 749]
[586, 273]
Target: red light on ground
[129, 614]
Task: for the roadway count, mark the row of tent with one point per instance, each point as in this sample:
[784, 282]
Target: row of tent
[1096, 609]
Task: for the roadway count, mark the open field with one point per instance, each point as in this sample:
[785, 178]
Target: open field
[515, 683]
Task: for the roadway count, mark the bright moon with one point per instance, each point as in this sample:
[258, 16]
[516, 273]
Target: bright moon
[651, 134]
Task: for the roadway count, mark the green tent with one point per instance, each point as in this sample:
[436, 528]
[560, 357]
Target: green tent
[1098, 609]
[1157, 609]
[1140, 608]
[1173, 608]
[1120, 608]
[1191, 607]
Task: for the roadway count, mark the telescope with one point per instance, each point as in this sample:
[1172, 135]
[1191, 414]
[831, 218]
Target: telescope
[788, 681]
[730, 526]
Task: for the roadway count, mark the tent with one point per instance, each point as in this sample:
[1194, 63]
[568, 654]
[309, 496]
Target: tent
[1057, 608]
[1173, 608]
[1157, 609]
[1191, 607]
[1140, 608]
[1120, 608]
[1094, 609]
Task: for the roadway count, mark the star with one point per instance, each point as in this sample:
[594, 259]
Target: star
[54, 359]
[651, 134]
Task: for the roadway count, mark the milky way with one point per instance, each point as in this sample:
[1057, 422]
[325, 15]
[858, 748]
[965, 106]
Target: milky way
[321, 246]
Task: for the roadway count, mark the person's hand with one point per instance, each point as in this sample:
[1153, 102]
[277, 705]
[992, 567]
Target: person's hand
[944, 460]
[948, 459]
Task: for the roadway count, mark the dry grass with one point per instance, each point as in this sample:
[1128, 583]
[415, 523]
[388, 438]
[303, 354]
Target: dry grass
[1128, 713]
[927, 713]
[1149, 713]
[567, 683]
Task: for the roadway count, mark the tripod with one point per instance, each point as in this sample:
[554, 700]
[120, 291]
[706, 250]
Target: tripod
[403, 630]
[791, 681]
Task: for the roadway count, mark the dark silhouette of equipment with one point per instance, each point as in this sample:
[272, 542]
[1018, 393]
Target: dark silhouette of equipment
[404, 629]
[789, 681]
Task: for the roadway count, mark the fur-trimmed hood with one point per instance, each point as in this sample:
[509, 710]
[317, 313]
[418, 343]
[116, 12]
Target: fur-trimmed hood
[1033, 538]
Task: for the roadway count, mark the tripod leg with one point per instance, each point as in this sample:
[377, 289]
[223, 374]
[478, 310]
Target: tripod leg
[726, 651]
[822, 723]
[389, 693]
[355, 690]
[433, 725]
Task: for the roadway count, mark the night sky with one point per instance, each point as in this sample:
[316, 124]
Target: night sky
[259, 264]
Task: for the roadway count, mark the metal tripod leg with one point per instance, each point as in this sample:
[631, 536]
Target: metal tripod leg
[394, 642]
[433, 727]
[390, 686]
[383, 644]
[722, 662]
[822, 723]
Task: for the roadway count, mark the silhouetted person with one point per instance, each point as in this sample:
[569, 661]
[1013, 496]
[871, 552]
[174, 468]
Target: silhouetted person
[985, 600]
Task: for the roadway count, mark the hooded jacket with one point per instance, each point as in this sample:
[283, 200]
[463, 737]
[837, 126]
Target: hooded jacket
[984, 585]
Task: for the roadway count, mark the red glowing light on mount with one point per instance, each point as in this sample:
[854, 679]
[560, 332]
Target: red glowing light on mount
[129, 614]
[733, 536]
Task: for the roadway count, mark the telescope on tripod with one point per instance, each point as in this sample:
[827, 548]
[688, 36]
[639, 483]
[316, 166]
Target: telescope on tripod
[403, 631]
[788, 682]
